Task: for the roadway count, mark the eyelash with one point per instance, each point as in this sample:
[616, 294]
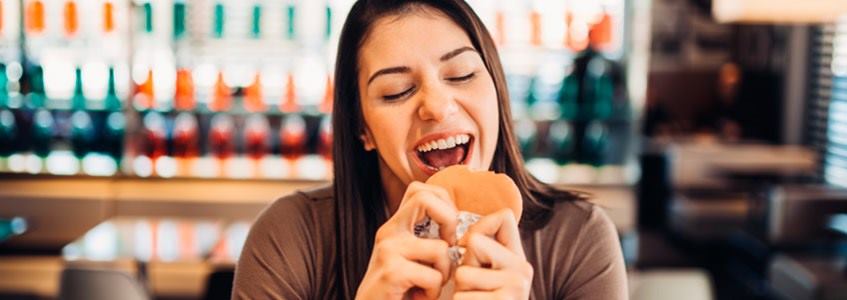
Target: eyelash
[409, 91]
[463, 78]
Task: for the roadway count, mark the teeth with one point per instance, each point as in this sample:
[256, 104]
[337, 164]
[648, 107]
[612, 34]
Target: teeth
[443, 144]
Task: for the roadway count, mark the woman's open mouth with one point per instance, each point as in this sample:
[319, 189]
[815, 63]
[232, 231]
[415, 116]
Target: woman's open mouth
[440, 152]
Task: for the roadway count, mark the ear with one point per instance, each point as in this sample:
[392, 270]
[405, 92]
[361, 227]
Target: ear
[367, 139]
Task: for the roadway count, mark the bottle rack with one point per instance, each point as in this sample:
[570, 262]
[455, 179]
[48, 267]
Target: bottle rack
[242, 89]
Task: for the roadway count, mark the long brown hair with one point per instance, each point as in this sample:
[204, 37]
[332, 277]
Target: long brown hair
[359, 195]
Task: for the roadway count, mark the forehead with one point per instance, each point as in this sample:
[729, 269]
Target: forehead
[422, 34]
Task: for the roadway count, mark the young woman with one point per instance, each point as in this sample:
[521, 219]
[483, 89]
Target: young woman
[409, 73]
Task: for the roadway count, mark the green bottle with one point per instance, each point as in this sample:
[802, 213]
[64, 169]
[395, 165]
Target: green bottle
[114, 135]
[115, 121]
[42, 132]
[147, 16]
[601, 88]
[218, 24]
[179, 19]
[256, 21]
[8, 132]
[561, 142]
[328, 21]
[568, 97]
[78, 99]
[82, 133]
[291, 12]
[112, 101]
[36, 98]
[12, 227]
[82, 127]
[527, 135]
[595, 143]
[4, 81]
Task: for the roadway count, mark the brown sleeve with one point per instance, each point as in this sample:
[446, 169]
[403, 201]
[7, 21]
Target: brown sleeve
[598, 270]
[276, 262]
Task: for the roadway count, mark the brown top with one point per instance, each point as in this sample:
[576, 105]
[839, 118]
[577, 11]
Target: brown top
[290, 252]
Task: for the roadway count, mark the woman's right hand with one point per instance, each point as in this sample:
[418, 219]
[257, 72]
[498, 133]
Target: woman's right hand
[400, 261]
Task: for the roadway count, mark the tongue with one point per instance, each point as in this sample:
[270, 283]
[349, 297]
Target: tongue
[443, 158]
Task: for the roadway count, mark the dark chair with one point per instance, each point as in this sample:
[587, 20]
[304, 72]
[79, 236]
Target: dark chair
[99, 284]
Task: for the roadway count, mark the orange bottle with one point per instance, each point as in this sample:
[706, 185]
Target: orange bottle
[289, 104]
[184, 95]
[253, 95]
[71, 18]
[222, 96]
[600, 35]
[535, 21]
[108, 17]
[144, 92]
[329, 97]
[35, 17]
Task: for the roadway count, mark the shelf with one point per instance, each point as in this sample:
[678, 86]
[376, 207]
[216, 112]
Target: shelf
[61, 209]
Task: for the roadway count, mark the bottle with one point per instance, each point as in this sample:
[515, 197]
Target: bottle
[221, 139]
[293, 138]
[256, 141]
[8, 134]
[179, 14]
[154, 144]
[219, 18]
[256, 20]
[71, 18]
[561, 142]
[113, 135]
[185, 141]
[253, 100]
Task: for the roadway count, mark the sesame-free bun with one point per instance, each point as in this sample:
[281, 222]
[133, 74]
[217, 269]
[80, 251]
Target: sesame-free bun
[479, 192]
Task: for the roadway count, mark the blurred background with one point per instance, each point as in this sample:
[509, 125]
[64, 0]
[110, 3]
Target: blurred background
[140, 138]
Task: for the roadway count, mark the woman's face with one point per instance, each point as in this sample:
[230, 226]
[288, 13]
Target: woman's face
[427, 99]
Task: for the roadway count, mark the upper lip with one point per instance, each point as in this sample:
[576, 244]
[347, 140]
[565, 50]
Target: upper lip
[437, 136]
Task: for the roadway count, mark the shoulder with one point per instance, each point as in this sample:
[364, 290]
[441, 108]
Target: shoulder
[580, 245]
[290, 250]
[574, 223]
[307, 206]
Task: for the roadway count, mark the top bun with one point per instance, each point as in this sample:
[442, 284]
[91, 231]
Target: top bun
[479, 192]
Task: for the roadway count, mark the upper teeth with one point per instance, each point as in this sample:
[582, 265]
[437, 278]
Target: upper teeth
[445, 143]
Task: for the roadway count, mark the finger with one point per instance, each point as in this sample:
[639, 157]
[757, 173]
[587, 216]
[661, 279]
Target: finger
[426, 251]
[485, 251]
[502, 226]
[475, 295]
[411, 274]
[423, 200]
[478, 279]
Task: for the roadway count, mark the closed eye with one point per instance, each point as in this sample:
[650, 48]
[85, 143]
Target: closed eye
[462, 78]
[402, 94]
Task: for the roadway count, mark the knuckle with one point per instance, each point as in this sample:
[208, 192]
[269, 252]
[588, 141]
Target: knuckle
[381, 253]
[441, 245]
[526, 270]
[385, 233]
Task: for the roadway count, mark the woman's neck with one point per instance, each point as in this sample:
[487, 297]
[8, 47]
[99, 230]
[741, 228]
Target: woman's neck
[394, 188]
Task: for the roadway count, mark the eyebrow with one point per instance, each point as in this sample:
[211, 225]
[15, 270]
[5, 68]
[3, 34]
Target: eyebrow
[403, 69]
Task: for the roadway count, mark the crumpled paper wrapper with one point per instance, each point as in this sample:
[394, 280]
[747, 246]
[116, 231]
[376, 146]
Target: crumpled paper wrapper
[429, 230]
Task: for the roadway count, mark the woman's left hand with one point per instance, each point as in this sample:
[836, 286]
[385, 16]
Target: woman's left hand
[494, 264]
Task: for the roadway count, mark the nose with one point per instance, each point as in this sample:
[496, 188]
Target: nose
[437, 103]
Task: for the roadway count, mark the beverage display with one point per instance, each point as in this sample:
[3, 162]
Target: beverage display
[243, 89]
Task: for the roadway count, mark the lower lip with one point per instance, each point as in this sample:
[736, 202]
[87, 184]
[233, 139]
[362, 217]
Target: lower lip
[429, 171]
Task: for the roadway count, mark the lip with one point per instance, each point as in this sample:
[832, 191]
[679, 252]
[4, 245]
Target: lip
[429, 171]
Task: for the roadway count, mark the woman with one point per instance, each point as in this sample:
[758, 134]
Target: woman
[420, 87]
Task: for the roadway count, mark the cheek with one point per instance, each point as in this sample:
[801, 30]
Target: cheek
[389, 126]
[484, 109]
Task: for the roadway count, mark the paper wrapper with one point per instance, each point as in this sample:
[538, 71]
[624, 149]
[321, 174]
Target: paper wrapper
[429, 230]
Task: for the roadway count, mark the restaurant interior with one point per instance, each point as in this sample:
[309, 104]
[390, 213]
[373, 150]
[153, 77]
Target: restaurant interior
[139, 139]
